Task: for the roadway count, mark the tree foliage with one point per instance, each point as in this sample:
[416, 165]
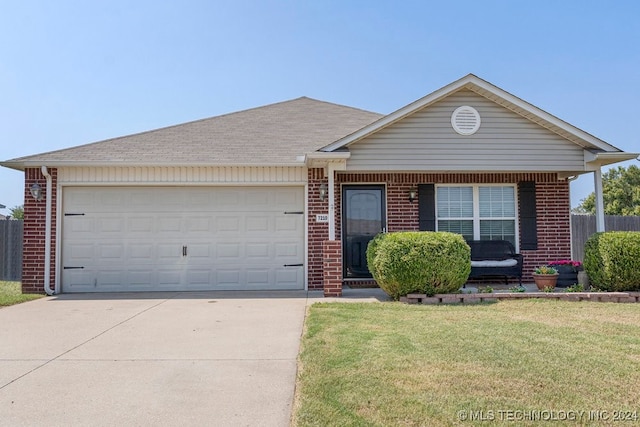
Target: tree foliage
[620, 193]
[17, 212]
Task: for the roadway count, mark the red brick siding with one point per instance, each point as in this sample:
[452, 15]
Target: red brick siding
[318, 232]
[553, 209]
[33, 266]
[332, 266]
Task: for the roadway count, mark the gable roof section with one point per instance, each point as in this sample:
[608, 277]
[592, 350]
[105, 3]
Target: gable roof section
[493, 93]
[272, 135]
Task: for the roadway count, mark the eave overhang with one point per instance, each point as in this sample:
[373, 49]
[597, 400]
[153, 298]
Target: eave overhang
[22, 165]
[596, 160]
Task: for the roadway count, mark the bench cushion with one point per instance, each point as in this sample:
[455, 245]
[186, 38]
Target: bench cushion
[493, 263]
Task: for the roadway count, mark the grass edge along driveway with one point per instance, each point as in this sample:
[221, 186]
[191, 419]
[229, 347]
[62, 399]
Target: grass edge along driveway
[11, 293]
[526, 361]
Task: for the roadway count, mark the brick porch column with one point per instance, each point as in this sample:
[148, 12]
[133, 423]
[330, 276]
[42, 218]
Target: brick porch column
[332, 268]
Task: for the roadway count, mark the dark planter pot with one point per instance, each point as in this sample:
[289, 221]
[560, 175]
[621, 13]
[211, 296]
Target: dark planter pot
[567, 275]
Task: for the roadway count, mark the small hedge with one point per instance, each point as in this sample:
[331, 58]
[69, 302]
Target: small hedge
[612, 260]
[419, 262]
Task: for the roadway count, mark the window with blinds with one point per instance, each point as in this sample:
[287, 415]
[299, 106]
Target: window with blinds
[478, 212]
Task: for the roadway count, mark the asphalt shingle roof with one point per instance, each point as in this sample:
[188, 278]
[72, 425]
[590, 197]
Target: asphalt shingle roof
[272, 134]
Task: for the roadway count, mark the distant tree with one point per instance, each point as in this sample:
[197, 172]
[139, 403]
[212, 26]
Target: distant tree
[620, 193]
[17, 212]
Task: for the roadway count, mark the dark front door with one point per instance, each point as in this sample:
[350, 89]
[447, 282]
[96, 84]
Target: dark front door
[362, 218]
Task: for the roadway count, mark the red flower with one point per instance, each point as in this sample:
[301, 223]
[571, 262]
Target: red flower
[566, 262]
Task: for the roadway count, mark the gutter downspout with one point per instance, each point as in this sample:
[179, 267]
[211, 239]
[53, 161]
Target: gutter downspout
[47, 235]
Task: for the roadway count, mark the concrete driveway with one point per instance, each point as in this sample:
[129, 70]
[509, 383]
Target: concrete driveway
[192, 358]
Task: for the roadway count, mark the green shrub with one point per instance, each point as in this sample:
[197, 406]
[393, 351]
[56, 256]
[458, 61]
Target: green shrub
[612, 260]
[419, 262]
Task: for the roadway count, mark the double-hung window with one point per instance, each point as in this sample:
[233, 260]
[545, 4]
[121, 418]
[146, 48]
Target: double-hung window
[478, 212]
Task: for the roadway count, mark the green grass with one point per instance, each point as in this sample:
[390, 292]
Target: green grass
[11, 293]
[394, 364]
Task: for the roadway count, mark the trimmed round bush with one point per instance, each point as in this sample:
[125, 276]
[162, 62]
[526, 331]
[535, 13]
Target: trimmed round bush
[423, 262]
[612, 260]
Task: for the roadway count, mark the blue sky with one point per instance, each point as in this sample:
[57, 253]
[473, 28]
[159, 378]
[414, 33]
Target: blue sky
[74, 72]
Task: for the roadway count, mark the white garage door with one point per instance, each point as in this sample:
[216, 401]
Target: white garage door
[182, 238]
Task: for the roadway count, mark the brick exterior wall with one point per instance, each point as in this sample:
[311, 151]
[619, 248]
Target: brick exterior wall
[34, 231]
[553, 211]
[332, 266]
[552, 197]
[318, 232]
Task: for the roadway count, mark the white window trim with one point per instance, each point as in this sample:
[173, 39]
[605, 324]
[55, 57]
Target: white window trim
[476, 209]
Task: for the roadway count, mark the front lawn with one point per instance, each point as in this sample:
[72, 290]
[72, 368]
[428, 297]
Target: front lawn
[11, 293]
[519, 362]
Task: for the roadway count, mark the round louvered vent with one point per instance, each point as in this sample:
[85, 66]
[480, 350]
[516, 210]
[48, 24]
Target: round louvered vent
[465, 120]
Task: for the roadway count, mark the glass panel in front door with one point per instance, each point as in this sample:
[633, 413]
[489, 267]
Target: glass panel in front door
[363, 214]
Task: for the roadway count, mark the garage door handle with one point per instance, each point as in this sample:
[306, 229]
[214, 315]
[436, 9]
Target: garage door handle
[293, 265]
[293, 212]
[184, 251]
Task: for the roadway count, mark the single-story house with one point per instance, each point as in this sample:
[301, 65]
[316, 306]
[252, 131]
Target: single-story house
[286, 196]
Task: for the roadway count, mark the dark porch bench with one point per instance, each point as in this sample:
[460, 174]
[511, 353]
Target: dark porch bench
[494, 258]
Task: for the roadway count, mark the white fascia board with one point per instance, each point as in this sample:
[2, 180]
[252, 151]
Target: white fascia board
[597, 160]
[57, 164]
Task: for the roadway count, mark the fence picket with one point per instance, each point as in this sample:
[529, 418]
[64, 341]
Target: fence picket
[11, 250]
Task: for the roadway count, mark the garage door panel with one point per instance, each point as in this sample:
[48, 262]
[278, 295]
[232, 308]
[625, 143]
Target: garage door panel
[258, 251]
[169, 225]
[141, 253]
[227, 277]
[288, 224]
[112, 252]
[154, 238]
[227, 224]
[110, 225]
[169, 251]
[199, 278]
[255, 223]
[142, 278]
[81, 225]
[80, 252]
[257, 276]
[288, 250]
[141, 224]
[79, 281]
[110, 278]
[198, 224]
[288, 277]
[169, 276]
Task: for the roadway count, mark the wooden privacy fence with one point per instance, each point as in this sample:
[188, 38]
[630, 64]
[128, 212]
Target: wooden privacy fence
[10, 250]
[583, 226]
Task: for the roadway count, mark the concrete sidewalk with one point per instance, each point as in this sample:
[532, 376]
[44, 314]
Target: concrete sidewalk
[192, 358]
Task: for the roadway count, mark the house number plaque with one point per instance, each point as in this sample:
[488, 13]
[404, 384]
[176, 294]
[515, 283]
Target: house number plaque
[322, 218]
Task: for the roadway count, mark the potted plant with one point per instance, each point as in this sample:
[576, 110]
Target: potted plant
[545, 277]
[567, 271]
